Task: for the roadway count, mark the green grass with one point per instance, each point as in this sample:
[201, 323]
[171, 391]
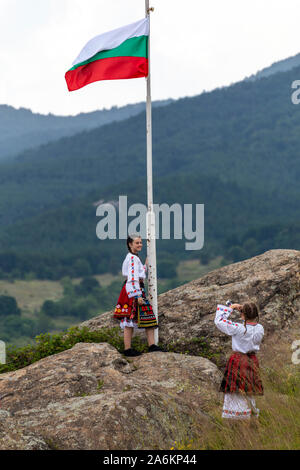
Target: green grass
[193, 269]
[278, 425]
[196, 347]
[31, 294]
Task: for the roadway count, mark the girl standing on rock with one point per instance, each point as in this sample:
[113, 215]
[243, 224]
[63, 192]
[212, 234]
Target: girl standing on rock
[241, 381]
[133, 308]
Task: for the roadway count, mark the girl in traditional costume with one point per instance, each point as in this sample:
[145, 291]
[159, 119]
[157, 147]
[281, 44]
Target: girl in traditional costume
[133, 308]
[241, 381]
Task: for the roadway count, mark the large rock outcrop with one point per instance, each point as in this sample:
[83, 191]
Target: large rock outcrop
[91, 397]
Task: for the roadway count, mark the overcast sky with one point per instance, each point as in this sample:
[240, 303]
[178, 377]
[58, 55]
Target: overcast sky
[196, 45]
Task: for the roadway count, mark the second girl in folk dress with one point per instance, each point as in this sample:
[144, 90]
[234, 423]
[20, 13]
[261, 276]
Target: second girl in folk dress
[241, 381]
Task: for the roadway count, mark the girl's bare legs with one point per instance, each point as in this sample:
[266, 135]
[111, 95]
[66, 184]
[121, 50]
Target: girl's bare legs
[150, 336]
[128, 332]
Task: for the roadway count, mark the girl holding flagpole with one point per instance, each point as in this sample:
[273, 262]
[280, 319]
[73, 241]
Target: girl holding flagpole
[241, 381]
[133, 308]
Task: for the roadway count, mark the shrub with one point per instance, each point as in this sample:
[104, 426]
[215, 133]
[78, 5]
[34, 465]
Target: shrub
[8, 306]
[47, 345]
[86, 286]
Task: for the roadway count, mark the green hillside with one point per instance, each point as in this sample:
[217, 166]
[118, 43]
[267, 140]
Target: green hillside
[235, 149]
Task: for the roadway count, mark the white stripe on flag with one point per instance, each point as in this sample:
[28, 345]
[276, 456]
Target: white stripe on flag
[113, 39]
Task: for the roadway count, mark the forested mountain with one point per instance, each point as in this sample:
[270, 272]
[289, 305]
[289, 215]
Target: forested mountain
[63, 241]
[280, 66]
[234, 149]
[21, 129]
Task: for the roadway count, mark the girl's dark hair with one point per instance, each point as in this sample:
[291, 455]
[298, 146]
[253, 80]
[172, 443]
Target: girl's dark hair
[250, 311]
[130, 240]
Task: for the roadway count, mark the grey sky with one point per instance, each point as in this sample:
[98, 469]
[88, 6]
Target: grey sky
[195, 45]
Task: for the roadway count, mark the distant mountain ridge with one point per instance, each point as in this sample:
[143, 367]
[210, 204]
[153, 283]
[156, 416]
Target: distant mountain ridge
[281, 66]
[21, 129]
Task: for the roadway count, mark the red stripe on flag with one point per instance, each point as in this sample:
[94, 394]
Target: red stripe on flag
[114, 68]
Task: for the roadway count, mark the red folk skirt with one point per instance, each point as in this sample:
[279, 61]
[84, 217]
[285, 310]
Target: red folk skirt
[242, 375]
[129, 308]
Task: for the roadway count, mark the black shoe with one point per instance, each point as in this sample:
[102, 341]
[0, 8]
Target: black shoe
[153, 348]
[131, 352]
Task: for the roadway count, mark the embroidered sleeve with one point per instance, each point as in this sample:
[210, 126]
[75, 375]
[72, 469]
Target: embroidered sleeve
[223, 323]
[133, 285]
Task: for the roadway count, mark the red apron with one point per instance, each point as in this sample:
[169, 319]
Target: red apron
[127, 307]
[124, 305]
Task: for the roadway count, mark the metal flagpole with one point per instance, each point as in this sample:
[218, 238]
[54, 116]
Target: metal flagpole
[151, 241]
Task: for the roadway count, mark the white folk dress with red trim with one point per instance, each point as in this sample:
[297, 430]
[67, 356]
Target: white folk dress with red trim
[134, 270]
[237, 405]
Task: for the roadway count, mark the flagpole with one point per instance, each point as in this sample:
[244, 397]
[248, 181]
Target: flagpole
[151, 239]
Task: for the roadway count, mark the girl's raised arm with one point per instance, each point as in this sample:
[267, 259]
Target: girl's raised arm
[223, 323]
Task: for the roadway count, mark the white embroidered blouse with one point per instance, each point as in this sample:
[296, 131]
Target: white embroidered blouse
[134, 270]
[250, 341]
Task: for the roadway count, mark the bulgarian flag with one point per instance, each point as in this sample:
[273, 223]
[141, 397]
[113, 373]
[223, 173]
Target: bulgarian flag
[121, 53]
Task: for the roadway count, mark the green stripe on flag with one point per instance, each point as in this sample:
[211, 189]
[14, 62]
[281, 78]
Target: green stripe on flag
[133, 47]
